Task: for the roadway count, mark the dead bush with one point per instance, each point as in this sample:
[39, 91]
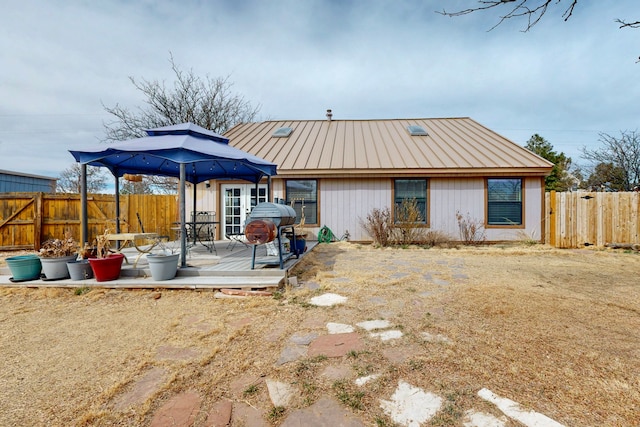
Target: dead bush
[471, 230]
[434, 238]
[408, 227]
[379, 225]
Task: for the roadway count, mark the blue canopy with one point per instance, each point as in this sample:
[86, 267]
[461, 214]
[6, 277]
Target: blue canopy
[185, 151]
[206, 155]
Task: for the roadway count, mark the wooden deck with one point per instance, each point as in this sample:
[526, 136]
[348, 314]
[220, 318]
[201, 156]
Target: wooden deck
[227, 267]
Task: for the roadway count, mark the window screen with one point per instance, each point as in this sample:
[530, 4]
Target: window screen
[412, 189]
[504, 201]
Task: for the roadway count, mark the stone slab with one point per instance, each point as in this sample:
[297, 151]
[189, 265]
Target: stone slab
[144, 388]
[335, 345]
[326, 412]
[220, 414]
[179, 411]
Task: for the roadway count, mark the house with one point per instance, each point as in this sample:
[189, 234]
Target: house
[342, 169]
[14, 182]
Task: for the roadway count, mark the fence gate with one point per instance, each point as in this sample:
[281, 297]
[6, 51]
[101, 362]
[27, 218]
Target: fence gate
[28, 219]
[21, 214]
[579, 219]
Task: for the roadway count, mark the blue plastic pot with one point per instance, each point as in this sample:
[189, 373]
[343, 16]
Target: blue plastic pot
[24, 267]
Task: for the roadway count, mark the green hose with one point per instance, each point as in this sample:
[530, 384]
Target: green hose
[325, 235]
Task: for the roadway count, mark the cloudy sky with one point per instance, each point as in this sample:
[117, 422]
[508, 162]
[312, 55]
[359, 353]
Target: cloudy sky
[62, 60]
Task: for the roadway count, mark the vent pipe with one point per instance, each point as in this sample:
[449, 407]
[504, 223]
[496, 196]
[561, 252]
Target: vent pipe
[329, 115]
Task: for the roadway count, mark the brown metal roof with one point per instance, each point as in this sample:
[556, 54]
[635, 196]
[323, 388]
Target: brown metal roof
[453, 146]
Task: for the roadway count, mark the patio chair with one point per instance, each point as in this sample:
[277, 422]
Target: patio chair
[234, 239]
[203, 229]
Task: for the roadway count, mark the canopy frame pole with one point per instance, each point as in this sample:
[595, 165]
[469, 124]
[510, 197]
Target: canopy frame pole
[84, 234]
[181, 202]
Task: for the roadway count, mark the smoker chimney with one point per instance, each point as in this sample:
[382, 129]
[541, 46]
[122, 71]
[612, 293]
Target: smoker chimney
[329, 115]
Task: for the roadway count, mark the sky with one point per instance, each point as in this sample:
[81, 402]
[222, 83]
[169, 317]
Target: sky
[63, 61]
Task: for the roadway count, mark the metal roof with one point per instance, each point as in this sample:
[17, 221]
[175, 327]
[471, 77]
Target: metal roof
[452, 147]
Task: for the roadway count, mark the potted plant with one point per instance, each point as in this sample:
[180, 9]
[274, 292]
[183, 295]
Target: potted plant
[163, 264]
[106, 266]
[24, 267]
[80, 269]
[300, 244]
[54, 255]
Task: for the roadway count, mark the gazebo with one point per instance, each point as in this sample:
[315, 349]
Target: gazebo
[185, 151]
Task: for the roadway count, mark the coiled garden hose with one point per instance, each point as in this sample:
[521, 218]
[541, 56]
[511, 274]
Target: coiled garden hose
[325, 235]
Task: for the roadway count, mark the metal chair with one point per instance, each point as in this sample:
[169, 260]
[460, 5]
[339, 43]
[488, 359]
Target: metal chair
[204, 229]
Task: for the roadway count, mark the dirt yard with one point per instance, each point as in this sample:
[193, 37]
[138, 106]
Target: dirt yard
[557, 331]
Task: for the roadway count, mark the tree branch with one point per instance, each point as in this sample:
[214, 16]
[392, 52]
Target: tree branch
[533, 11]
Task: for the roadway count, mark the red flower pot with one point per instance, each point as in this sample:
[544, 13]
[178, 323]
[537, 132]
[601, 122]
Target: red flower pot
[105, 269]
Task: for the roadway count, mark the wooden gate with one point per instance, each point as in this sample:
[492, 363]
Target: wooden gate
[579, 219]
[28, 219]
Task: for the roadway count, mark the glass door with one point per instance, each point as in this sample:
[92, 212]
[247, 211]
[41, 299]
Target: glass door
[238, 201]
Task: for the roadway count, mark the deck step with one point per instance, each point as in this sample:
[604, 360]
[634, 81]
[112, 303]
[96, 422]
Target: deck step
[192, 282]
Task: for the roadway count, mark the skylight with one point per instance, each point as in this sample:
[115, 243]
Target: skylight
[282, 132]
[416, 130]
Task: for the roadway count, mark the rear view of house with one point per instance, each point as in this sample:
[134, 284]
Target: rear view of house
[341, 170]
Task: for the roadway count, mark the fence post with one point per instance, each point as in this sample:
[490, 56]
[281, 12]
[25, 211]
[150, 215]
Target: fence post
[38, 210]
[551, 210]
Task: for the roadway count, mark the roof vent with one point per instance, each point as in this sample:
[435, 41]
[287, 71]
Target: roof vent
[329, 115]
[416, 130]
[282, 132]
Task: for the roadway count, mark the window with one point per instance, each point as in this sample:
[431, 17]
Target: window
[412, 189]
[303, 193]
[504, 201]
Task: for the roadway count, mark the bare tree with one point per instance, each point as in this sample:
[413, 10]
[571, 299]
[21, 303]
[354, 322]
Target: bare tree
[531, 10]
[622, 153]
[69, 179]
[207, 102]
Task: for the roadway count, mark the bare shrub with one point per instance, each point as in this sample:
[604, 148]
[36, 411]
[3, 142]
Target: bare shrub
[379, 225]
[408, 226]
[527, 238]
[471, 230]
[433, 238]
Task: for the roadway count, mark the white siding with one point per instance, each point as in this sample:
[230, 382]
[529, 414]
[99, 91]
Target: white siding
[451, 195]
[344, 203]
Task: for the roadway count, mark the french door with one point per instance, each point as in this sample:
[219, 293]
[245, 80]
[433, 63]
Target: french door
[237, 202]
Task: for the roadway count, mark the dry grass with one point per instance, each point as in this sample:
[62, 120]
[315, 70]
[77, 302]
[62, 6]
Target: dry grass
[554, 330]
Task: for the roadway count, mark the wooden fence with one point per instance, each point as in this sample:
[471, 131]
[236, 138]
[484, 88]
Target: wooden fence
[576, 220]
[28, 219]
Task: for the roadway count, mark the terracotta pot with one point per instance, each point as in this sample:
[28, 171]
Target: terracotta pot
[105, 269]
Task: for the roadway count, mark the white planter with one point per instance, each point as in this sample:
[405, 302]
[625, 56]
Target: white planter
[163, 267]
[56, 268]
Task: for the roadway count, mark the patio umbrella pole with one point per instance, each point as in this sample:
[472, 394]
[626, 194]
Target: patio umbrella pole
[181, 202]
